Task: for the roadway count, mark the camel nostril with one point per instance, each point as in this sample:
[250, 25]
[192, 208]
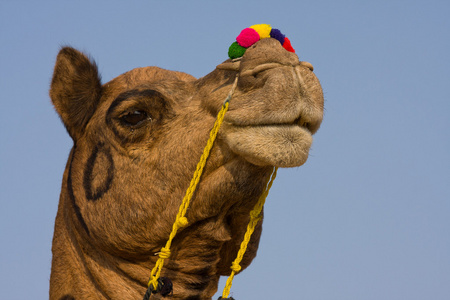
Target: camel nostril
[307, 64]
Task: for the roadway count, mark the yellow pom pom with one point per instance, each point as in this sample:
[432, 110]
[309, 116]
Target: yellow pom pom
[262, 29]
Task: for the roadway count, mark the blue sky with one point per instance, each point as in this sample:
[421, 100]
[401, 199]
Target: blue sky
[367, 217]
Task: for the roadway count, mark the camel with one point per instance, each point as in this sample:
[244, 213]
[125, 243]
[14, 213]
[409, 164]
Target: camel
[136, 143]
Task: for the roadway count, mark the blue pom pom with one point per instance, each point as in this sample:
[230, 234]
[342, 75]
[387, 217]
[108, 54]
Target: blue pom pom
[276, 34]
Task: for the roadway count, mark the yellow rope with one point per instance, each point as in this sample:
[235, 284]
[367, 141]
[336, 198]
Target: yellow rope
[255, 216]
[181, 220]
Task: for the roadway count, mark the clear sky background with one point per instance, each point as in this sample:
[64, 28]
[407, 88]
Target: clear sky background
[366, 218]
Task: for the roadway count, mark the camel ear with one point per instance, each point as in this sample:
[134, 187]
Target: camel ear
[75, 90]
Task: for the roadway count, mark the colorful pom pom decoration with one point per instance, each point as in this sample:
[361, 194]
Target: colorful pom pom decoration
[236, 50]
[247, 37]
[263, 30]
[254, 33]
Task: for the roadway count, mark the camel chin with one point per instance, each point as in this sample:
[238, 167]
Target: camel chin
[270, 145]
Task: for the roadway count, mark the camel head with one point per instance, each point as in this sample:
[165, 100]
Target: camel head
[137, 140]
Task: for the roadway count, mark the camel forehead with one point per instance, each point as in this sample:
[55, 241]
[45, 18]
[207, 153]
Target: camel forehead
[165, 81]
[148, 75]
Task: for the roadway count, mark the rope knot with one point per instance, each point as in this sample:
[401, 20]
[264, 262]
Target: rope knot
[164, 253]
[236, 267]
[182, 222]
[255, 215]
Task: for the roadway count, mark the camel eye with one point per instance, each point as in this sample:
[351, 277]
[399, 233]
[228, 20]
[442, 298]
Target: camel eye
[135, 118]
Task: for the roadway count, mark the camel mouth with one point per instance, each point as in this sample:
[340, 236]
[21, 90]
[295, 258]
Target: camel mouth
[311, 127]
[307, 124]
[297, 123]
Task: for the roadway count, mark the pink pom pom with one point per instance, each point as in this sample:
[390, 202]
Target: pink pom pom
[247, 37]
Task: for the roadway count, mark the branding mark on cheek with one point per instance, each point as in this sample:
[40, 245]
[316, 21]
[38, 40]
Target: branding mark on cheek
[98, 173]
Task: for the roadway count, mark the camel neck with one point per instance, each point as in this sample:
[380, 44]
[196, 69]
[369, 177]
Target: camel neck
[77, 262]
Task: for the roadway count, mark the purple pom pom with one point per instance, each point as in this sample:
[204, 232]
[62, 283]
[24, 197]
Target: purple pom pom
[276, 34]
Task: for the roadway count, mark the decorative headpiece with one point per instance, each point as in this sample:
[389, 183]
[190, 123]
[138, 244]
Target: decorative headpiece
[254, 33]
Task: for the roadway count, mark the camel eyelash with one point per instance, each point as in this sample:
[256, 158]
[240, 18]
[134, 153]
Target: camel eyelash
[135, 118]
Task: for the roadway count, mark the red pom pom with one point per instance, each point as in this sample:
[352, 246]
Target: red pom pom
[287, 45]
[247, 37]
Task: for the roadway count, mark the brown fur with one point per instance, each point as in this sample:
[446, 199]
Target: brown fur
[127, 171]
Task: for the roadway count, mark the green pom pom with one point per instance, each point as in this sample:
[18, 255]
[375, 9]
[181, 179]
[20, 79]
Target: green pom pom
[236, 50]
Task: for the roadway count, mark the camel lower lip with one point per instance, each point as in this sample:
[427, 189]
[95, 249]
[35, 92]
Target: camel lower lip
[270, 145]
